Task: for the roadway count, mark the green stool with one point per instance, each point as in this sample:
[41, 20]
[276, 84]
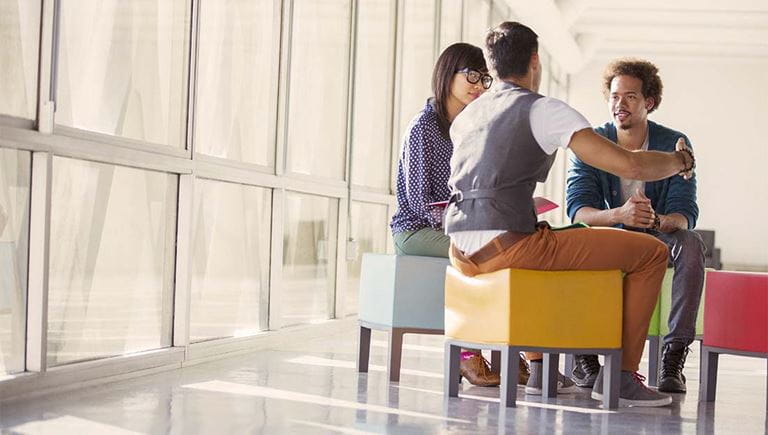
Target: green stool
[659, 326]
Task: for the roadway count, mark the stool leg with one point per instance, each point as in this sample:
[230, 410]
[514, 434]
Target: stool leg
[509, 368]
[451, 375]
[708, 375]
[496, 361]
[569, 358]
[611, 380]
[395, 354]
[549, 386]
[363, 349]
[653, 360]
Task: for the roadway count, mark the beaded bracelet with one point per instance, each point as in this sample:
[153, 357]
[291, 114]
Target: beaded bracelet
[693, 160]
[656, 222]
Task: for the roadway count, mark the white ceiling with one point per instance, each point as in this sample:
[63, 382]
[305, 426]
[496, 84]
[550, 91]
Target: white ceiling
[576, 31]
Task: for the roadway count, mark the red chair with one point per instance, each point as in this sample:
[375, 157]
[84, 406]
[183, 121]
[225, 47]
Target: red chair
[735, 322]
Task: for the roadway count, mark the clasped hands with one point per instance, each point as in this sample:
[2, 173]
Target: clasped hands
[637, 212]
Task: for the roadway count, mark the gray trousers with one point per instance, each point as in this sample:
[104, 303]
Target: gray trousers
[427, 242]
[686, 255]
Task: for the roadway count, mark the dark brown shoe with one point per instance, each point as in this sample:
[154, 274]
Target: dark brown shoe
[525, 371]
[478, 372]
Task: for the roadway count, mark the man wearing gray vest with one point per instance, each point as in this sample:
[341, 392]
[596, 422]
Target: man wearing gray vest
[505, 142]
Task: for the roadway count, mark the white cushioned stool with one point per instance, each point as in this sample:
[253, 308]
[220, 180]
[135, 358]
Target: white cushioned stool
[400, 294]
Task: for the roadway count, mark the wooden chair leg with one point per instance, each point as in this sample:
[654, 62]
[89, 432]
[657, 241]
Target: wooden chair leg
[363, 349]
[451, 375]
[395, 354]
[509, 372]
[549, 385]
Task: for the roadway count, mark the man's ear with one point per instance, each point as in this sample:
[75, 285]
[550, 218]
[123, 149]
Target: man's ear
[535, 63]
[650, 102]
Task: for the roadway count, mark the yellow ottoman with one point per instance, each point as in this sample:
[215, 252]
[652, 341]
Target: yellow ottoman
[511, 310]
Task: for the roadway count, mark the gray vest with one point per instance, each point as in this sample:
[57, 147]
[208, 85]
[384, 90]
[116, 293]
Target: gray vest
[496, 163]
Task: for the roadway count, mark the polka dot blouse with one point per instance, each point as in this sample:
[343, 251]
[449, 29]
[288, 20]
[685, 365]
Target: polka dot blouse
[422, 174]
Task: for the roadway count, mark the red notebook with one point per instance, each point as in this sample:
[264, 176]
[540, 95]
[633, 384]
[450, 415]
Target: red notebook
[543, 205]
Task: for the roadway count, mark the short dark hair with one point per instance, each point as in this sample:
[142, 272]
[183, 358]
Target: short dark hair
[642, 70]
[455, 57]
[509, 48]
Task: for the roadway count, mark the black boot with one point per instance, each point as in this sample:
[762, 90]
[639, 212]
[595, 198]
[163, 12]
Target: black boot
[672, 362]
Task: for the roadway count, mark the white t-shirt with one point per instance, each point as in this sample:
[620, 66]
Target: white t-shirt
[553, 123]
[628, 187]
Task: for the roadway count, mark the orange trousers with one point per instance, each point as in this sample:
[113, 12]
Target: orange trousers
[642, 257]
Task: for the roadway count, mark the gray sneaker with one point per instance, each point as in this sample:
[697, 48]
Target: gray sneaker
[585, 370]
[564, 384]
[632, 391]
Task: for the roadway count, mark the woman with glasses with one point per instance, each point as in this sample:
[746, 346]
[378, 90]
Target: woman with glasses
[459, 77]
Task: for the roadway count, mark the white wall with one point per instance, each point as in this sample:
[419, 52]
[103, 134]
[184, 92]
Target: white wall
[722, 105]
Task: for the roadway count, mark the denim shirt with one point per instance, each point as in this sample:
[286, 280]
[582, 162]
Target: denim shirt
[592, 187]
[422, 174]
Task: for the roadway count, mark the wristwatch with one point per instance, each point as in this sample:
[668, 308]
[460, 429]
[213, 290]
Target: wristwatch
[656, 222]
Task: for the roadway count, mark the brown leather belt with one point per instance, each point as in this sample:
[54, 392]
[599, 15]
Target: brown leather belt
[492, 248]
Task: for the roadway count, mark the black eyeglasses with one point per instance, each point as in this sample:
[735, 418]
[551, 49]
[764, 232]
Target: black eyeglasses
[473, 76]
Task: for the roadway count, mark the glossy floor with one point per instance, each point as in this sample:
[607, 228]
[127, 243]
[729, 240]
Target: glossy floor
[312, 387]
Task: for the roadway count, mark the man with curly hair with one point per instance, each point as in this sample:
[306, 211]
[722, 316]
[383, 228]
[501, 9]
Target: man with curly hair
[665, 209]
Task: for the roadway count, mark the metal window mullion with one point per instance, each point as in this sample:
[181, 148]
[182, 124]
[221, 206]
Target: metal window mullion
[397, 88]
[273, 318]
[389, 126]
[337, 299]
[192, 65]
[47, 68]
[281, 136]
[436, 30]
[276, 91]
[338, 223]
[183, 273]
[39, 260]
[461, 20]
[337, 293]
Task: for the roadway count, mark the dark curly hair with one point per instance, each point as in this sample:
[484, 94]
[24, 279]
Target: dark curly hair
[643, 70]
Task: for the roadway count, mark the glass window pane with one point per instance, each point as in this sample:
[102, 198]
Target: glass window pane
[499, 13]
[15, 177]
[476, 16]
[317, 98]
[418, 56]
[122, 68]
[233, 108]
[19, 47]
[370, 230]
[230, 255]
[309, 257]
[373, 93]
[450, 23]
[112, 260]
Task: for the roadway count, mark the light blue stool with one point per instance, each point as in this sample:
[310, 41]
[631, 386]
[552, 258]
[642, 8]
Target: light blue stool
[400, 294]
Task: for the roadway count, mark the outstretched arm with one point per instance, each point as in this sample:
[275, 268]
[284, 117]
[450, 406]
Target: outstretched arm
[601, 153]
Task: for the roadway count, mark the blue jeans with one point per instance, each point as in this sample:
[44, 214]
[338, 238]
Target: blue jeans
[686, 255]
